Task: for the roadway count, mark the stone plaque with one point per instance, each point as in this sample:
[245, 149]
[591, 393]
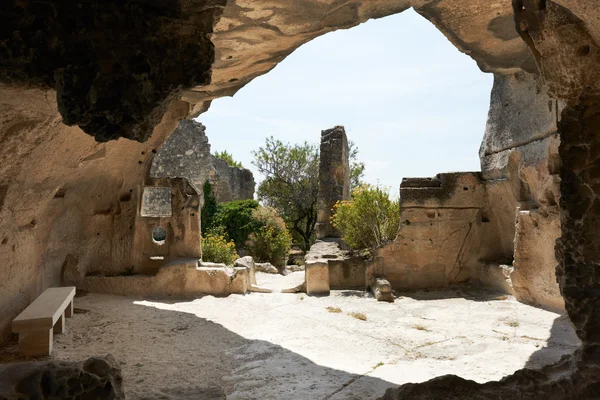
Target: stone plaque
[156, 202]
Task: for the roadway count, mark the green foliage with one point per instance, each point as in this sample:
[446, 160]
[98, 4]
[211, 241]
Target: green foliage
[369, 219]
[216, 248]
[271, 241]
[236, 219]
[226, 156]
[209, 209]
[357, 168]
[291, 183]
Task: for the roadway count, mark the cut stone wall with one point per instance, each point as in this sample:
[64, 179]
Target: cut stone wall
[184, 279]
[334, 178]
[439, 237]
[346, 270]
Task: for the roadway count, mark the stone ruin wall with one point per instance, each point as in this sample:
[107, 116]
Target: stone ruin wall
[334, 179]
[231, 183]
[497, 227]
[186, 154]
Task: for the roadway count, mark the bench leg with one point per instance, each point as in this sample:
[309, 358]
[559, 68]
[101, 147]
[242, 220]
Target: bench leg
[59, 326]
[37, 343]
[69, 310]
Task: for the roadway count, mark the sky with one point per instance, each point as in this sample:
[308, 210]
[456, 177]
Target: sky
[414, 105]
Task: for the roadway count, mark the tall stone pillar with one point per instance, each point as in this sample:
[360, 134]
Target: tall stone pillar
[334, 178]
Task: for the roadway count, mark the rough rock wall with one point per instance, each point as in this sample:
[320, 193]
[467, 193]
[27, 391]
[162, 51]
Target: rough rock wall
[115, 65]
[334, 178]
[563, 36]
[96, 378]
[520, 165]
[186, 154]
[161, 239]
[65, 199]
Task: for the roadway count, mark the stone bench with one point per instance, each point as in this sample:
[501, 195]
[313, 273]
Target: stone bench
[44, 317]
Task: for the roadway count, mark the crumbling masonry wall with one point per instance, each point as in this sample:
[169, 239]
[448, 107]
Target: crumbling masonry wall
[334, 178]
[186, 154]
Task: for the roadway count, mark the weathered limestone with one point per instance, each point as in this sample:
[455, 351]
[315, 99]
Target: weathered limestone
[56, 179]
[346, 270]
[184, 279]
[267, 268]
[41, 319]
[381, 289]
[186, 154]
[334, 178]
[316, 277]
[96, 378]
[171, 232]
[65, 200]
[439, 238]
[248, 263]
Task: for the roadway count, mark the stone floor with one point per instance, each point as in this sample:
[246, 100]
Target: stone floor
[290, 346]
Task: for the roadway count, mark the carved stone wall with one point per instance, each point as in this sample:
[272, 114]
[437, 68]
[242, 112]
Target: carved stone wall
[439, 239]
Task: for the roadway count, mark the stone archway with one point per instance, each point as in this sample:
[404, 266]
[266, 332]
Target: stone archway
[39, 47]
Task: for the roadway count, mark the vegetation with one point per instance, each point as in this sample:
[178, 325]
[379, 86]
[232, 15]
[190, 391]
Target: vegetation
[369, 219]
[420, 327]
[246, 225]
[271, 241]
[291, 183]
[357, 168]
[216, 248]
[207, 214]
[226, 156]
[358, 315]
[335, 310]
[236, 220]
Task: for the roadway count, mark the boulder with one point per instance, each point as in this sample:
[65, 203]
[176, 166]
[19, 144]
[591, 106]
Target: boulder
[97, 378]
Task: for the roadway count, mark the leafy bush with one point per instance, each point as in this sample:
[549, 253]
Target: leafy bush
[236, 217]
[271, 241]
[216, 248]
[226, 156]
[369, 219]
[209, 209]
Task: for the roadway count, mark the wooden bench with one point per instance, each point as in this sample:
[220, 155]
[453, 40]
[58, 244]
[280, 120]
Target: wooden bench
[44, 317]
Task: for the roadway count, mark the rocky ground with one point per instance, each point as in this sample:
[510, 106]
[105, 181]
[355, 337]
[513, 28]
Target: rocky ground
[292, 346]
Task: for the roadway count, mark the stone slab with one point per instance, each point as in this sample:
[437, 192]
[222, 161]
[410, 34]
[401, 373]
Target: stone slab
[45, 310]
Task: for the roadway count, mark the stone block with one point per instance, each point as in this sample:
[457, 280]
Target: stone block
[317, 277]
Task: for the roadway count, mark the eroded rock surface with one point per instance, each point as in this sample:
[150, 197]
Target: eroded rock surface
[96, 378]
[118, 68]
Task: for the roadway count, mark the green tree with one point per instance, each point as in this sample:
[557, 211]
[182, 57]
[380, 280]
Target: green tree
[369, 219]
[236, 218]
[357, 168]
[209, 209]
[291, 183]
[226, 156]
